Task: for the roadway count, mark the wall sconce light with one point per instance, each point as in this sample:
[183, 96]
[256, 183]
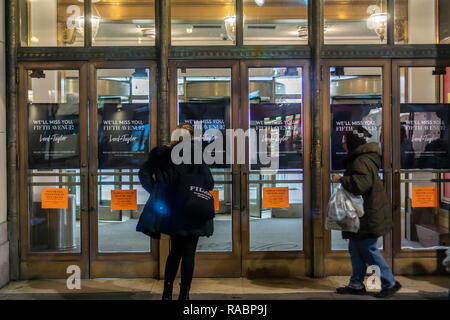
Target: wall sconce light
[76, 26]
[230, 27]
[95, 22]
[377, 21]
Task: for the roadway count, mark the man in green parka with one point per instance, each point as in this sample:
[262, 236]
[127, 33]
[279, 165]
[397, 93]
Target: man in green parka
[363, 162]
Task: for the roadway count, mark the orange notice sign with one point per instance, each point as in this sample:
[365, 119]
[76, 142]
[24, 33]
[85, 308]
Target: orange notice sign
[424, 197]
[215, 194]
[55, 198]
[123, 200]
[274, 197]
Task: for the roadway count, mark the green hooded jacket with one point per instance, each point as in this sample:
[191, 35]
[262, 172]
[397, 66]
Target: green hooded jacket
[361, 178]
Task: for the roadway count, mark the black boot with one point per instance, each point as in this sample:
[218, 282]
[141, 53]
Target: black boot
[184, 292]
[167, 293]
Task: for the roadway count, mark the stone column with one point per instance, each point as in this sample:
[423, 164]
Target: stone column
[4, 244]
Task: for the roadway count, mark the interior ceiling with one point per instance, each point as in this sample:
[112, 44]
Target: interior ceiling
[276, 18]
[214, 9]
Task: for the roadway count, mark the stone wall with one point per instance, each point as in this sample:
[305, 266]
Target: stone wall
[4, 244]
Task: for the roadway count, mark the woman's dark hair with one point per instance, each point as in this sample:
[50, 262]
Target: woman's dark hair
[356, 137]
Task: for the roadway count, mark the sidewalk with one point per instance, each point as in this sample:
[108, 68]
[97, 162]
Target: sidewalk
[414, 288]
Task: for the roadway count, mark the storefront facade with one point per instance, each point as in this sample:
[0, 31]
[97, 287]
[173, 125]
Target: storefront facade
[93, 85]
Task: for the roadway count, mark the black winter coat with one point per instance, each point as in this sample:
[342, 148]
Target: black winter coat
[159, 172]
[361, 178]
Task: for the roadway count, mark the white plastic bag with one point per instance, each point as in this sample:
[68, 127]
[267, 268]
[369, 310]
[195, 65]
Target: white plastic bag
[344, 211]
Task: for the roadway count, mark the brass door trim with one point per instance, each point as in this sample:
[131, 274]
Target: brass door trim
[249, 257]
[399, 254]
[95, 255]
[81, 257]
[230, 261]
[385, 64]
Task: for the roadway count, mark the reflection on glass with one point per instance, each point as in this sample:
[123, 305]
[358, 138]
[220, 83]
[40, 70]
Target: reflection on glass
[204, 101]
[424, 118]
[355, 99]
[123, 118]
[422, 22]
[54, 229]
[425, 171]
[123, 100]
[275, 22]
[355, 22]
[276, 228]
[424, 210]
[117, 228]
[53, 119]
[221, 240]
[275, 98]
[424, 136]
[203, 23]
[50, 23]
[123, 23]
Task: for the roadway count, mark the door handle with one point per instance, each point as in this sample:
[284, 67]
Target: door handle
[84, 184]
[236, 190]
[244, 191]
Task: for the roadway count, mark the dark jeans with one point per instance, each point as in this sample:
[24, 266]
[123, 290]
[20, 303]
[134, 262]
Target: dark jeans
[181, 248]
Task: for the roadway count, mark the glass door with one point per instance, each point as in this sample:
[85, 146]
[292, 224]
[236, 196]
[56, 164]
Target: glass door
[54, 169]
[357, 93]
[205, 94]
[274, 183]
[123, 130]
[421, 120]
[259, 227]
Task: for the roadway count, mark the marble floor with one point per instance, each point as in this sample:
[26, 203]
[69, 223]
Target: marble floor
[423, 287]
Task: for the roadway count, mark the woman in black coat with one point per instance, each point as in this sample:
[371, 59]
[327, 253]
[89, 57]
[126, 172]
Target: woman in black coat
[159, 176]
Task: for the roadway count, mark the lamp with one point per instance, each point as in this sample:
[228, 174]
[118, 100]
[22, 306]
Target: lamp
[230, 27]
[77, 29]
[95, 22]
[377, 21]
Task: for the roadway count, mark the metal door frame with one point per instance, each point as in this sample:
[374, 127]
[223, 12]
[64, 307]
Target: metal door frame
[338, 262]
[212, 264]
[117, 264]
[52, 264]
[408, 261]
[277, 263]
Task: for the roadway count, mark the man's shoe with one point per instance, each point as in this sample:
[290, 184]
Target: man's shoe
[350, 290]
[389, 292]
